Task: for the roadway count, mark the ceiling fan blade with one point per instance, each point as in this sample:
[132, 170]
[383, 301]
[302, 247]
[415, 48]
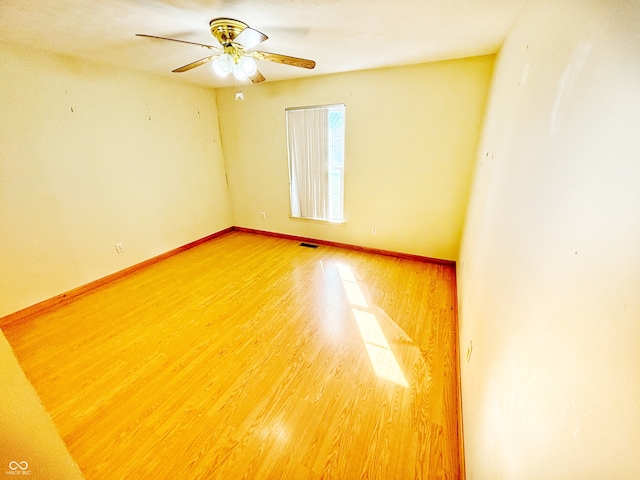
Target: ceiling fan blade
[195, 64]
[250, 37]
[257, 77]
[287, 60]
[176, 40]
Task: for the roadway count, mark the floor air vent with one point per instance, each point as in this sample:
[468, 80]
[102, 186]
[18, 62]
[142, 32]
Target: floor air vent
[308, 245]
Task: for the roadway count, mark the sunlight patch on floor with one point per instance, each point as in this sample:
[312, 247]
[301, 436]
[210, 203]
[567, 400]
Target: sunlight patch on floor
[384, 362]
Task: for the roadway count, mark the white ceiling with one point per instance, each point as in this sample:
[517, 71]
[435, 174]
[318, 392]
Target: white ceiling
[340, 35]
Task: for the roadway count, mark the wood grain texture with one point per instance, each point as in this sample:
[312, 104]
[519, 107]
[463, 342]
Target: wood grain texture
[66, 296]
[241, 358]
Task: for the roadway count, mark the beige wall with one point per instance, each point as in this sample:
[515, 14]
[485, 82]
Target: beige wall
[411, 137]
[28, 436]
[92, 156]
[549, 273]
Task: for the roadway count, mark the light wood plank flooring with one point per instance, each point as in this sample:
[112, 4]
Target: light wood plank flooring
[251, 357]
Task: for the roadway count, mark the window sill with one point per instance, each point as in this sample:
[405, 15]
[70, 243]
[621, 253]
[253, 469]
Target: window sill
[316, 220]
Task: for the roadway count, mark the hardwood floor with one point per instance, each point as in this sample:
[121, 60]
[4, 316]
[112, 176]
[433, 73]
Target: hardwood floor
[250, 357]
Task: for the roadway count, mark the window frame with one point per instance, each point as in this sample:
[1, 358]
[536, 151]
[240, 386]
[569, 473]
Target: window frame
[329, 167]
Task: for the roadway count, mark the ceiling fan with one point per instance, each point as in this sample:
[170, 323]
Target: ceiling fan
[235, 55]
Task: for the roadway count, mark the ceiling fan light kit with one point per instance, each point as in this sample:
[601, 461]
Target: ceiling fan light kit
[248, 65]
[223, 65]
[235, 54]
[242, 68]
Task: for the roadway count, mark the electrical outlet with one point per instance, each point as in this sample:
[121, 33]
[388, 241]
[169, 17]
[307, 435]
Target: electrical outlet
[263, 215]
[119, 248]
[373, 230]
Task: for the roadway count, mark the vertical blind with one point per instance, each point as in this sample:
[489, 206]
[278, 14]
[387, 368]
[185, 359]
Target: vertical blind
[315, 188]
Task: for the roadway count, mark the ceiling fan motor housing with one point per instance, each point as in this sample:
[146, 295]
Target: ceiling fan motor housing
[226, 30]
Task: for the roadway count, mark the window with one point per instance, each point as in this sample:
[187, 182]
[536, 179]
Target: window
[315, 140]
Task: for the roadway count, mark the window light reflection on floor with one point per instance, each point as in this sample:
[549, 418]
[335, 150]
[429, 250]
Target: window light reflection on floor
[354, 294]
[382, 358]
[385, 365]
